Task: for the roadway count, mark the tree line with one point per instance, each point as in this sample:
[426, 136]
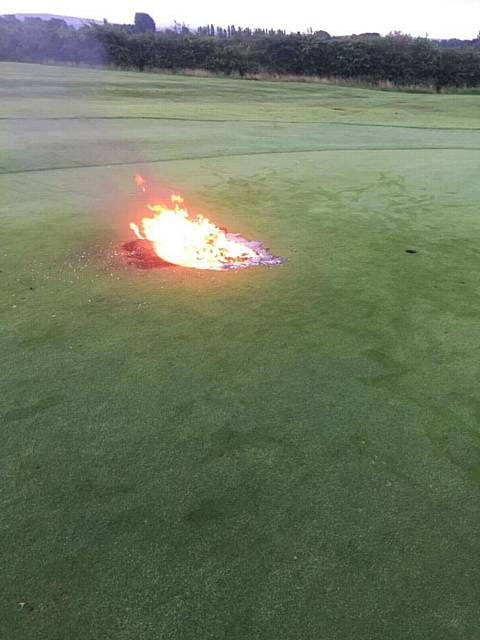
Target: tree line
[398, 59]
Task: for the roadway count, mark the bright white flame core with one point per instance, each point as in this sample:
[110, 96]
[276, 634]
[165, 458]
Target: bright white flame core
[196, 242]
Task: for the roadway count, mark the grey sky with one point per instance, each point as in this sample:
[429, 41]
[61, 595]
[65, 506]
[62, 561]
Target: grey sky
[438, 18]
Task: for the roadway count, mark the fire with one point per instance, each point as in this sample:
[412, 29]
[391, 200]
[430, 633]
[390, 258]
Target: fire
[189, 241]
[140, 182]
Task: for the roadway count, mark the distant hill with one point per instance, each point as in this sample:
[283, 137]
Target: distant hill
[77, 23]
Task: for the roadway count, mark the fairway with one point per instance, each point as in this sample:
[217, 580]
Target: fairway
[276, 453]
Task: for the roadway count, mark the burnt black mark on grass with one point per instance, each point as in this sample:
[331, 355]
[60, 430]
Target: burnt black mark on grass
[140, 253]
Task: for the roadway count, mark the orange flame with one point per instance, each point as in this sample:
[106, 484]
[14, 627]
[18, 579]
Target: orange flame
[190, 242]
[140, 182]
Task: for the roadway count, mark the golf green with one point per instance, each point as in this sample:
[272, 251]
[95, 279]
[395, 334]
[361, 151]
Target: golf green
[275, 453]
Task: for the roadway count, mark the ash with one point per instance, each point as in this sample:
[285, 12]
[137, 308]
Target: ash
[264, 255]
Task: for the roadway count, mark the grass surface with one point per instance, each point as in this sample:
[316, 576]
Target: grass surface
[286, 453]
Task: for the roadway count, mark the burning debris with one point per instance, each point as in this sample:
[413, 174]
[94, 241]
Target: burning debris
[171, 236]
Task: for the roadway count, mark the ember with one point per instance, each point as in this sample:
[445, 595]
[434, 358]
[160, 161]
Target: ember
[177, 238]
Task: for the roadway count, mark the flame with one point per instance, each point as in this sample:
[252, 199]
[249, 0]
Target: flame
[140, 182]
[190, 242]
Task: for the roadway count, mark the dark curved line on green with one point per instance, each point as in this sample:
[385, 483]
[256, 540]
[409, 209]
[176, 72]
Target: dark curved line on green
[240, 120]
[230, 155]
